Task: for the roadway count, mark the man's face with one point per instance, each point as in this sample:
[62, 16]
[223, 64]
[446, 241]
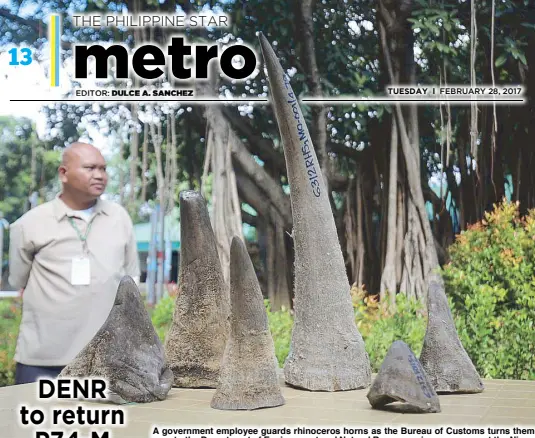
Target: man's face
[85, 172]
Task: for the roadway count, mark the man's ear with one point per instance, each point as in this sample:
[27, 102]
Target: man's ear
[62, 172]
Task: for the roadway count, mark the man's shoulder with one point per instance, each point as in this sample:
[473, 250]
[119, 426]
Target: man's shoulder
[38, 213]
[115, 209]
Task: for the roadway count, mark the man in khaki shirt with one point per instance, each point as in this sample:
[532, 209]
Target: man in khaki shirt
[68, 256]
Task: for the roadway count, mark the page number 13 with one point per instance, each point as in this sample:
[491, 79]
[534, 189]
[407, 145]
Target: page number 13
[26, 57]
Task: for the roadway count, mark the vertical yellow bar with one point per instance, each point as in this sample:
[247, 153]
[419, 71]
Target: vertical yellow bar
[53, 52]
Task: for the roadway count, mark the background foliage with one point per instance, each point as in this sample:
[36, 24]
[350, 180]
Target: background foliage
[378, 327]
[10, 315]
[491, 285]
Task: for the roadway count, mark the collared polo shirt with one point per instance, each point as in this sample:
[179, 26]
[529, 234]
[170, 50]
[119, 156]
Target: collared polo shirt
[59, 319]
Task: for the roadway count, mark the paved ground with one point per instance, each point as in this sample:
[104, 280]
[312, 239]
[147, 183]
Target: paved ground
[503, 403]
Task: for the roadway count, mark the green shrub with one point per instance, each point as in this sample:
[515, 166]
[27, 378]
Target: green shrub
[280, 324]
[380, 329]
[10, 315]
[491, 286]
[162, 315]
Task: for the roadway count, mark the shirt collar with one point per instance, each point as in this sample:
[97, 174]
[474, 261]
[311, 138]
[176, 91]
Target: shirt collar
[61, 209]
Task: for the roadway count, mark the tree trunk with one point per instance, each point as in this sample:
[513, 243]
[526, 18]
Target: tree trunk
[121, 173]
[419, 255]
[278, 259]
[33, 167]
[400, 231]
[134, 152]
[388, 279]
[174, 163]
[157, 140]
[145, 163]
[226, 214]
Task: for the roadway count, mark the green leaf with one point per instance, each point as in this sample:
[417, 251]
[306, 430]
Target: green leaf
[500, 60]
[435, 29]
[441, 47]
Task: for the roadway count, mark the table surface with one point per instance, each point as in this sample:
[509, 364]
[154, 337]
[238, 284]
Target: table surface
[503, 403]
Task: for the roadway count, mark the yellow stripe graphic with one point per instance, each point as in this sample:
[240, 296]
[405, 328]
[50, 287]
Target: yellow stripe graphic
[52, 37]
